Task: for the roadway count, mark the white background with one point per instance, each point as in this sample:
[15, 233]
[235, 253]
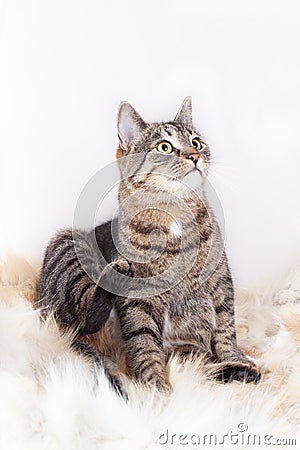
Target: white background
[66, 65]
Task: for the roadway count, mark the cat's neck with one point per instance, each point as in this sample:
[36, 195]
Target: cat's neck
[147, 209]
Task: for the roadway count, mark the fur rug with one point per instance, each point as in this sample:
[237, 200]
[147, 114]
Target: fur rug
[51, 399]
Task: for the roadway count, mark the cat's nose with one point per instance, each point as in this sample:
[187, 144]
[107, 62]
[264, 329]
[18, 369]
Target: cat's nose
[194, 157]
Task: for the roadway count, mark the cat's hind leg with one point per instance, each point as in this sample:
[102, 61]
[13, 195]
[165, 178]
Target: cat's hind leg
[67, 291]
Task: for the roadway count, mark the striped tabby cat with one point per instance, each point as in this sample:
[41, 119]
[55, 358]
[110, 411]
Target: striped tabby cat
[179, 295]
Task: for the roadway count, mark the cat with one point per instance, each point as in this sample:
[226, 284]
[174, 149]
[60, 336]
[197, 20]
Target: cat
[178, 297]
[187, 316]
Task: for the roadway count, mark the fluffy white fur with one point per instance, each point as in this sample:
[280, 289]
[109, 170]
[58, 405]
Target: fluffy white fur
[50, 398]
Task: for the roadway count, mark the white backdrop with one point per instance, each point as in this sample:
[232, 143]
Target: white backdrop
[66, 65]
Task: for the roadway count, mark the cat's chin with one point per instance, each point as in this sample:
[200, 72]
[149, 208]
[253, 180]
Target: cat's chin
[193, 179]
[184, 186]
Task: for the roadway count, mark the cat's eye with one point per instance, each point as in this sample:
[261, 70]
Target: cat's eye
[165, 147]
[196, 143]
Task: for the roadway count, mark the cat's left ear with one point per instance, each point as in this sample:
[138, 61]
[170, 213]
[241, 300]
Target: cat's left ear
[130, 124]
[185, 113]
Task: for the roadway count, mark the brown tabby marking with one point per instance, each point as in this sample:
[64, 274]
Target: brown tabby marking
[190, 317]
[139, 333]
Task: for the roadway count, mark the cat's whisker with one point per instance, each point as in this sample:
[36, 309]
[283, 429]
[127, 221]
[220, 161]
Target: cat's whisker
[228, 173]
[228, 170]
[225, 181]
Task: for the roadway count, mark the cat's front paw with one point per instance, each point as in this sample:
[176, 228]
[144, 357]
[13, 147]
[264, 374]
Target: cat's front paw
[122, 266]
[110, 279]
[238, 372]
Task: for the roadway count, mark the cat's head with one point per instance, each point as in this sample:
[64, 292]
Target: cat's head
[168, 156]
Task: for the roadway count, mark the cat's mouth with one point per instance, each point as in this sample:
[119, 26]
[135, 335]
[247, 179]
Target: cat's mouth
[194, 172]
[193, 169]
[192, 178]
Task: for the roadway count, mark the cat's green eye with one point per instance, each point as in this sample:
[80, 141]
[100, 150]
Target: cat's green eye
[196, 143]
[165, 147]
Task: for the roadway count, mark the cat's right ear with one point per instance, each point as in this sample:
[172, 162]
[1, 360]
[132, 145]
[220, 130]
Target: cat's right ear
[130, 125]
[185, 114]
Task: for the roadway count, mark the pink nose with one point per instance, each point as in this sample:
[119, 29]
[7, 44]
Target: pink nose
[194, 157]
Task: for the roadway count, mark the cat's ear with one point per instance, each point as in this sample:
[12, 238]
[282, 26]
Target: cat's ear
[185, 113]
[130, 124]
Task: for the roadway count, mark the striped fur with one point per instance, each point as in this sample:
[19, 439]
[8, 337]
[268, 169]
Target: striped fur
[186, 316]
[75, 300]
[190, 317]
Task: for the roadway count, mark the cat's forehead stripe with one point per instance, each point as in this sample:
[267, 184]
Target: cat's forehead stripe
[173, 137]
[173, 129]
[170, 129]
[180, 129]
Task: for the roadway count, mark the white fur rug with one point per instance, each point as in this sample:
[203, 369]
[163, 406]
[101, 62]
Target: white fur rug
[49, 398]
